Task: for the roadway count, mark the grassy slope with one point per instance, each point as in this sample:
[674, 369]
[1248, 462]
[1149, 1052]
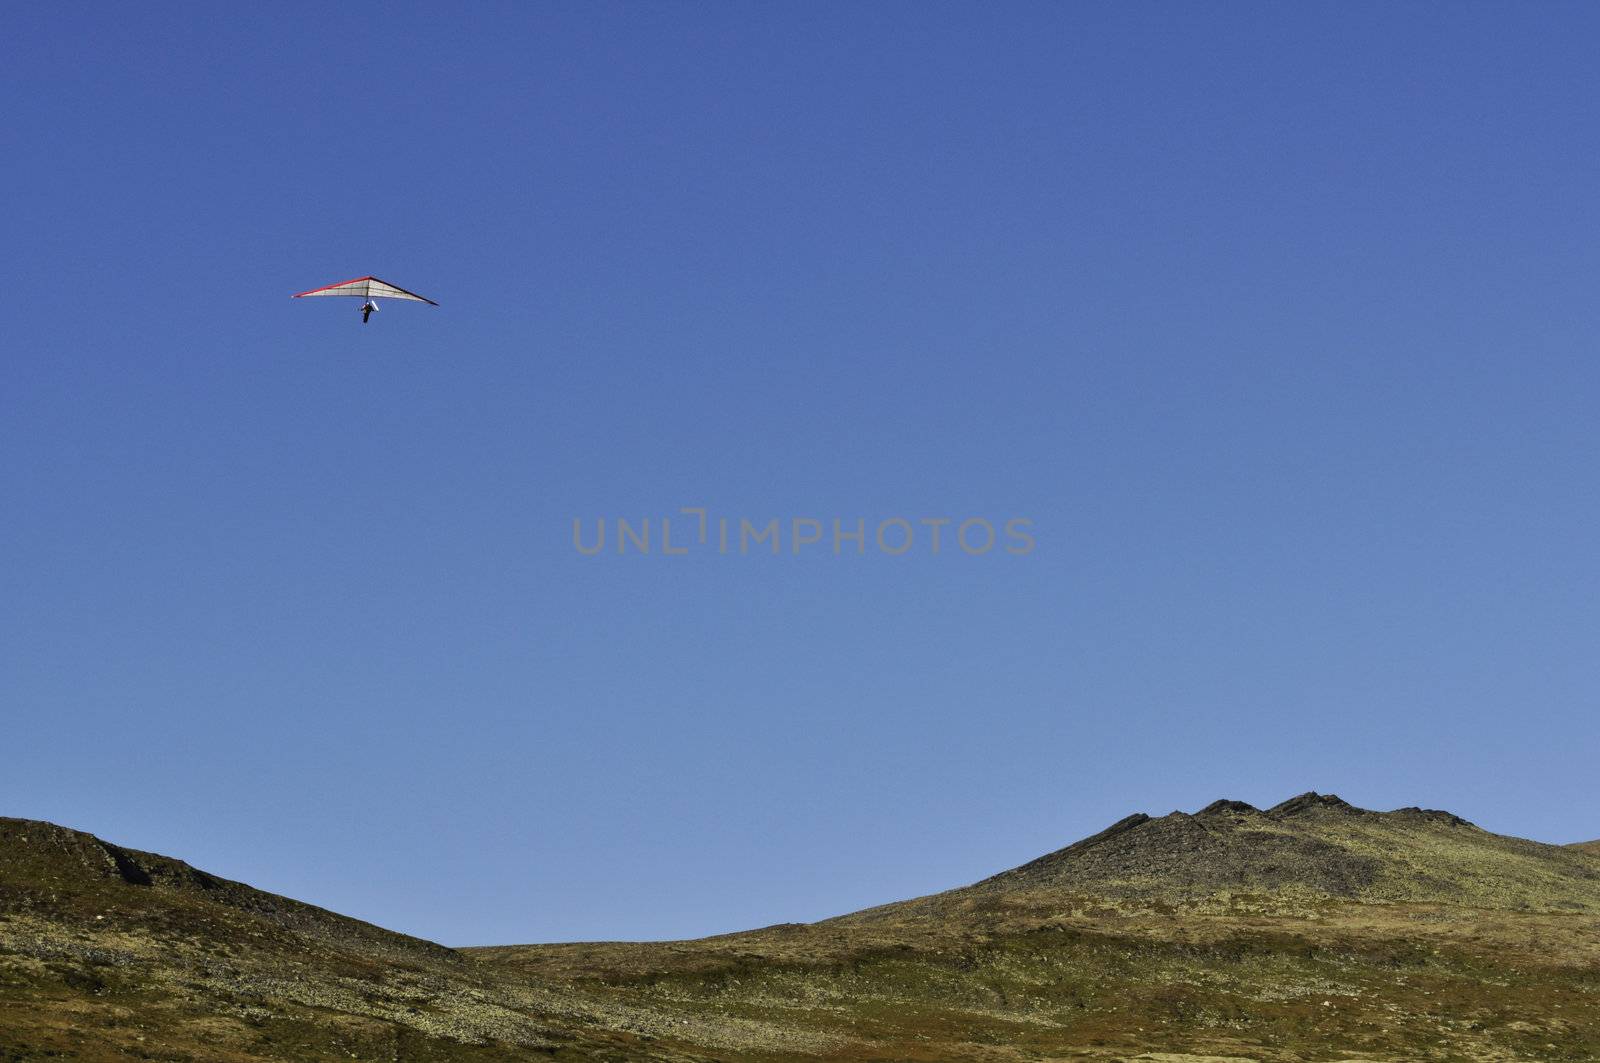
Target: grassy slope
[1418, 937]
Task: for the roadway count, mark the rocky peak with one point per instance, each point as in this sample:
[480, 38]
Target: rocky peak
[1311, 801]
[1223, 806]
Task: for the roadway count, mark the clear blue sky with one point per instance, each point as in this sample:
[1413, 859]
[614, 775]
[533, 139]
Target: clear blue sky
[1279, 323]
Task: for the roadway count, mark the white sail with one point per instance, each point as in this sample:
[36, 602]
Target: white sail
[367, 288]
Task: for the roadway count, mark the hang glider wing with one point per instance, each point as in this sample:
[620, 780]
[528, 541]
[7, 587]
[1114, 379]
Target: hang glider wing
[367, 288]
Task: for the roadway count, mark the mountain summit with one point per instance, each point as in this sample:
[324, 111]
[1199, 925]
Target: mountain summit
[1317, 843]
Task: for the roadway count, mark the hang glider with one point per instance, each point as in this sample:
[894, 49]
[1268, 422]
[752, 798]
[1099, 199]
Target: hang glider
[370, 289]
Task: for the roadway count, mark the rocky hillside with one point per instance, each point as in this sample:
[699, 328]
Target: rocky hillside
[56, 873]
[1311, 930]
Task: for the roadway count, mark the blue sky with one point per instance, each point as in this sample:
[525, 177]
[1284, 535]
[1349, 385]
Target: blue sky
[1277, 322]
